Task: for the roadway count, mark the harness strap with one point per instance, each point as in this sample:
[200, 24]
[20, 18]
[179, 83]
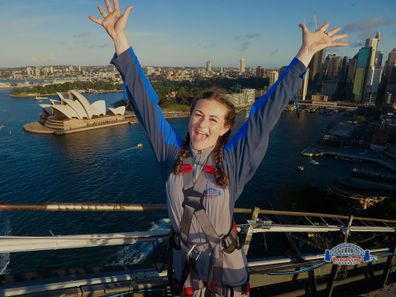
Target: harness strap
[193, 206]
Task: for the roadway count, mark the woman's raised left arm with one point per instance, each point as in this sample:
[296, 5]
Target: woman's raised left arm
[246, 149]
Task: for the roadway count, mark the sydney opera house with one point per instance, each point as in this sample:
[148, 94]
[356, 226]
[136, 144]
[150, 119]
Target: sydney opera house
[74, 113]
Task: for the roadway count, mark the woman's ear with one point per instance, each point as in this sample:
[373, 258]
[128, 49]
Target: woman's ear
[225, 130]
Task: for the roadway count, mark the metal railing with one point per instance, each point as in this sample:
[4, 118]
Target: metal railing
[308, 222]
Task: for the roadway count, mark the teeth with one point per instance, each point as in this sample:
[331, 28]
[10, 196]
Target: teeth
[201, 133]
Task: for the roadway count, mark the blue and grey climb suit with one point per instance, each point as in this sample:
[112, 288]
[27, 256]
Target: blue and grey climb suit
[242, 155]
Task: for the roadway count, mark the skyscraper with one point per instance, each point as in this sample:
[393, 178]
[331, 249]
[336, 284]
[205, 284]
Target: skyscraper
[259, 71]
[363, 61]
[242, 65]
[374, 71]
[208, 66]
[334, 67]
[37, 71]
[391, 61]
[273, 76]
[368, 71]
[390, 77]
[315, 66]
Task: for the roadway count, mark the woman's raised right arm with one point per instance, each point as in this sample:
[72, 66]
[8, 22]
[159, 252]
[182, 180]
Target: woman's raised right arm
[142, 96]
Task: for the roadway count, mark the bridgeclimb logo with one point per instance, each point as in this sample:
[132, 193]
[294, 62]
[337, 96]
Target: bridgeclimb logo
[212, 193]
[348, 254]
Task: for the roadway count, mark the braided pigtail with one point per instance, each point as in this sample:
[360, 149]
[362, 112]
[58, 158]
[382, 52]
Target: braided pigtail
[178, 166]
[220, 176]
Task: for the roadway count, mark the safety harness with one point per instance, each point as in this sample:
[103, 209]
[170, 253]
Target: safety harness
[193, 207]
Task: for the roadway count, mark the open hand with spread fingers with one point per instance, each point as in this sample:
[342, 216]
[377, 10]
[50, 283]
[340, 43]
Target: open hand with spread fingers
[114, 23]
[313, 42]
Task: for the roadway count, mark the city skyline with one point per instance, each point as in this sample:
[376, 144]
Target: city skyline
[184, 33]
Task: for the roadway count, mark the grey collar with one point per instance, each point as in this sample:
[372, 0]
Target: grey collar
[199, 159]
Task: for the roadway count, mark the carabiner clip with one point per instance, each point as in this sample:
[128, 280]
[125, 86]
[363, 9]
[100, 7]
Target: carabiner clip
[189, 253]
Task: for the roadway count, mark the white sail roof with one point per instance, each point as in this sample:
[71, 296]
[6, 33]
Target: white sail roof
[99, 107]
[119, 110]
[84, 102]
[66, 110]
[77, 107]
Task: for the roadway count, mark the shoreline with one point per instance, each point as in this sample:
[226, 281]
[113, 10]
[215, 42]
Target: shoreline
[349, 154]
[54, 94]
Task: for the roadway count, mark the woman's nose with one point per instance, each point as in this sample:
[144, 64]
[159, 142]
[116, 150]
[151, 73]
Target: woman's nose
[203, 123]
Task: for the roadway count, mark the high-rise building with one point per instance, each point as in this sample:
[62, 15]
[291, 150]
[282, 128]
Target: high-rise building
[343, 71]
[242, 65]
[315, 66]
[37, 71]
[351, 69]
[260, 71]
[378, 58]
[390, 62]
[374, 70]
[209, 66]
[389, 78]
[334, 67]
[243, 98]
[373, 44]
[363, 61]
[273, 77]
[391, 86]
[329, 75]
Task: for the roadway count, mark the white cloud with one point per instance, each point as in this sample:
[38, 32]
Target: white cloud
[98, 45]
[374, 23]
[82, 34]
[252, 35]
[244, 46]
[142, 34]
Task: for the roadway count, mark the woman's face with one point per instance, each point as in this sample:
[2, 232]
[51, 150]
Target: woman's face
[207, 123]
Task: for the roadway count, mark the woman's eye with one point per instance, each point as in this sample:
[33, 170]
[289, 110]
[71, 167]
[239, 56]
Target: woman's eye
[213, 120]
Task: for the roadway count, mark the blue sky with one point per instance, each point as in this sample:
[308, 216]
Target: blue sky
[184, 32]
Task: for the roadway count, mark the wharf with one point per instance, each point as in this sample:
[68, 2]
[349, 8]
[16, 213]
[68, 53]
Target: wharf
[352, 154]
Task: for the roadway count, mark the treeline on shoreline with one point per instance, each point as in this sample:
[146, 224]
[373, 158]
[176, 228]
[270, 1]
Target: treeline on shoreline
[169, 92]
[67, 86]
[183, 92]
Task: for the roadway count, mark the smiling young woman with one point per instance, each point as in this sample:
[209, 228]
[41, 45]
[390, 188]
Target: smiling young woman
[205, 174]
[207, 123]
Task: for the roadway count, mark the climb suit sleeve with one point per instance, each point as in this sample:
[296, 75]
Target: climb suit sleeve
[144, 100]
[246, 149]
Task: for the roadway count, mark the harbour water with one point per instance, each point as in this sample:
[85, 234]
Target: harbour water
[103, 166]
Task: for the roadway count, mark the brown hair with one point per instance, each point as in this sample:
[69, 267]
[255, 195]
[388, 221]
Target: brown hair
[220, 176]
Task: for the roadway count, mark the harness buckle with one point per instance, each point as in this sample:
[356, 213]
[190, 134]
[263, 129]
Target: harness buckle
[193, 258]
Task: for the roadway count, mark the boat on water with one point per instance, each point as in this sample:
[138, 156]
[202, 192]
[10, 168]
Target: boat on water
[139, 145]
[39, 98]
[300, 168]
[314, 162]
